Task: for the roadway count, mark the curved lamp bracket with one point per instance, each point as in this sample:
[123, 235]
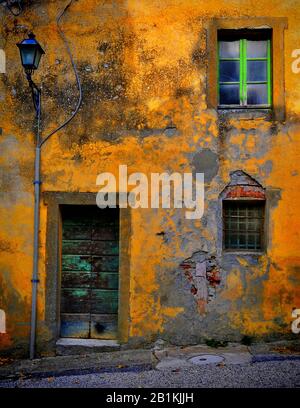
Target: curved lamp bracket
[36, 94]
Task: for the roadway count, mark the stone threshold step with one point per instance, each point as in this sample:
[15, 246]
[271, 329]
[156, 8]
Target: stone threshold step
[69, 346]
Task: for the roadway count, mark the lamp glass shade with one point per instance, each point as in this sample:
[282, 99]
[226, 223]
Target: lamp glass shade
[30, 52]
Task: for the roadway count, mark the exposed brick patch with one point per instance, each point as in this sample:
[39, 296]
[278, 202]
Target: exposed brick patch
[213, 277]
[242, 185]
[245, 192]
[203, 274]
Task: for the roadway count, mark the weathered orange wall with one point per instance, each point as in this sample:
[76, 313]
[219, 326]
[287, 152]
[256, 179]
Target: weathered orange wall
[143, 66]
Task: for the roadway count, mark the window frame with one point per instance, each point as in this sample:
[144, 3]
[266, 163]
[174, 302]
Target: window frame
[262, 231]
[278, 25]
[243, 81]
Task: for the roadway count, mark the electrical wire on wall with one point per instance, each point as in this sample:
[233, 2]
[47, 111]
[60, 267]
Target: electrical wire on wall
[75, 72]
[11, 5]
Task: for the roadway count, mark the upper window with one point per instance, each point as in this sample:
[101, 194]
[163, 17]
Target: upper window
[244, 68]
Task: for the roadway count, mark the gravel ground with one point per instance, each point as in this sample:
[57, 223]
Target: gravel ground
[274, 374]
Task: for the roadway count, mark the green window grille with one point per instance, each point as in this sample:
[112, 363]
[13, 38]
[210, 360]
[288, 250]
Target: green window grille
[243, 226]
[244, 70]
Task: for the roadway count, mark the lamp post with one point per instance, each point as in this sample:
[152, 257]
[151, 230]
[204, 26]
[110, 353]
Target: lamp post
[31, 53]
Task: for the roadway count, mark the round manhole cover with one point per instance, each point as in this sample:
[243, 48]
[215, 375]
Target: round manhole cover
[206, 359]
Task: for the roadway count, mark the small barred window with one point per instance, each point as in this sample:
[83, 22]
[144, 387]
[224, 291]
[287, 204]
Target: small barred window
[244, 225]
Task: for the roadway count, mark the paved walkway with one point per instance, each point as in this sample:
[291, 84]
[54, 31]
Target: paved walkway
[279, 374]
[233, 366]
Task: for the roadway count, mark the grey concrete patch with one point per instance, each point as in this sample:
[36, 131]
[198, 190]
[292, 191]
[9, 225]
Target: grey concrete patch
[172, 358]
[190, 351]
[237, 358]
[259, 348]
[171, 364]
[206, 162]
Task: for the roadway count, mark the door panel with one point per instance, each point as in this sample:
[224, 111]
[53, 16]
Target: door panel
[75, 325]
[105, 280]
[105, 263]
[76, 263]
[103, 326]
[105, 233]
[71, 231]
[76, 279]
[89, 275]
[105, 247]
[75, 300]
[76, 247]
[104, 301]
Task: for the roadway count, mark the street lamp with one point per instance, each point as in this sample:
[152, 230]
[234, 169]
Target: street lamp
[31, 52]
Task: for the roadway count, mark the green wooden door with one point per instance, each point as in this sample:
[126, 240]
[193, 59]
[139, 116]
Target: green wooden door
[89, 272]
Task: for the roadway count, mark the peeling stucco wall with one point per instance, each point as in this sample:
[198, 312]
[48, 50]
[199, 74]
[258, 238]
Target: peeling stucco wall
[143, 66]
